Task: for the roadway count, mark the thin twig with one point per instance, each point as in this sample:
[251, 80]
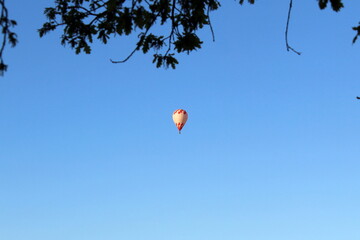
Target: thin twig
[127, 58]
[211, 28]
[288, 47]
[85, 9]
[173, 26]
[5, 26]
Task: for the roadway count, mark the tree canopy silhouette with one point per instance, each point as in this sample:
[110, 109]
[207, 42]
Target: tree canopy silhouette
[82, 21]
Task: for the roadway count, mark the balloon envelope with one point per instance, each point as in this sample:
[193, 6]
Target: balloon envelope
[180, 117]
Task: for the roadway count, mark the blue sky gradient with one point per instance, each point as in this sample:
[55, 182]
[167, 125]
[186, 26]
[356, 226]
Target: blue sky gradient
[88, 149]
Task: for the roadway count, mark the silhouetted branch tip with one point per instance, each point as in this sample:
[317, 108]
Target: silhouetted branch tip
[288, 47]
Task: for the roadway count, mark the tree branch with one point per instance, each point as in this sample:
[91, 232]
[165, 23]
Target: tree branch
[288, 47]
[5, 24]
[211, 28]
[173, 27]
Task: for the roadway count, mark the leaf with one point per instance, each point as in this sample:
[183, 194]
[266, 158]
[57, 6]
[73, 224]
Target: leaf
[250, 1]
[322, 4]
[187, 43]
[357, 29]
[87, 49]
[336, 5]
[13, 23]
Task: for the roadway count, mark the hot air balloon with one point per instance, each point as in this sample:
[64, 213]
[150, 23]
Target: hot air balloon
[180, 117]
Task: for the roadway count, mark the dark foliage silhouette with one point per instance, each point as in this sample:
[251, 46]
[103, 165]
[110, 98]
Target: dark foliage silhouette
[163, 27]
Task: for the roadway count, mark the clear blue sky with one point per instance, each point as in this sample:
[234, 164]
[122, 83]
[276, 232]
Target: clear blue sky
[88, 149]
